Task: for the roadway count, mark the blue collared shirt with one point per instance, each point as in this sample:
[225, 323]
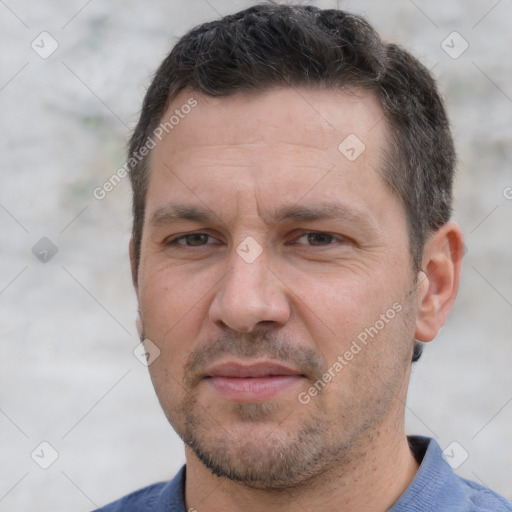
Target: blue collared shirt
[435, 488]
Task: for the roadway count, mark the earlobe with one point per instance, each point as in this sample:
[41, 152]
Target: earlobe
[438, 281]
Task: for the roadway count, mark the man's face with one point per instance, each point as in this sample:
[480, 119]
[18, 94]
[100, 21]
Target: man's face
[276, 280]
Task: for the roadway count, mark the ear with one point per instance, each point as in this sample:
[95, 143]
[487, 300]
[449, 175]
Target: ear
[131, 249]
[133, 266]
[438, 281]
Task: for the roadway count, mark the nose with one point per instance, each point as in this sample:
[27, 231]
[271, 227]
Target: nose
[250, 295]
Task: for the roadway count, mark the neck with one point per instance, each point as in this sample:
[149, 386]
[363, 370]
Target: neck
[379, 472]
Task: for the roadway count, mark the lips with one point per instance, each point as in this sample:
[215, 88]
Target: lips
[255, 370]
[255, 382]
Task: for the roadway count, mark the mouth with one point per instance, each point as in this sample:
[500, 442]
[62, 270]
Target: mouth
[252, 383]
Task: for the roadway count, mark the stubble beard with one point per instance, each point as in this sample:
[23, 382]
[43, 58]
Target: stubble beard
[271, 454]
[268, 456]
[275, 455]
[271, 445]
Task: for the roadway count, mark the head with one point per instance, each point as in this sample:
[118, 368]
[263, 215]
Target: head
[294, 212]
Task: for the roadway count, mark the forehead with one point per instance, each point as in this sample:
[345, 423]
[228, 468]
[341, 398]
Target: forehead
[314, 117]
[276, 145]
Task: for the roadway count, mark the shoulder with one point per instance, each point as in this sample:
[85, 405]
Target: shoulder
[437, 487]
[138, 501]
[164, 496]
[483, 499]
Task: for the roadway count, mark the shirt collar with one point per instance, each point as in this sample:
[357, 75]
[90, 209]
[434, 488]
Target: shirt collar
[432, 483]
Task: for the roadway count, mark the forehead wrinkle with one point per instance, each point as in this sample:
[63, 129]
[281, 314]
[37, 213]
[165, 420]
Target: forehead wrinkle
[242, 153]
[179, 212]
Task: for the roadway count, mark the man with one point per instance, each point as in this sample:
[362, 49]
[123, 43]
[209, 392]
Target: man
[292, 249]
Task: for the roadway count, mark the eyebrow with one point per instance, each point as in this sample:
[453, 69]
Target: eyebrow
[175, 213]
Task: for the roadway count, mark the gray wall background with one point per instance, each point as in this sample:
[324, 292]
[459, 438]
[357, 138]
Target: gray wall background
[68, 374]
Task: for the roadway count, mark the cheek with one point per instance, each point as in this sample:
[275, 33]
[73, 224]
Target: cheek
[174, 328]
[166, 298]
[338, 312]
[172, 316]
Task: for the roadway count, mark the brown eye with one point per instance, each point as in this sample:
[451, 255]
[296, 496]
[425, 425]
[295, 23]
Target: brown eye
[316, 239]
[191, 240]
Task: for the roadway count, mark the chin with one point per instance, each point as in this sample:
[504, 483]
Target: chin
[274, 455]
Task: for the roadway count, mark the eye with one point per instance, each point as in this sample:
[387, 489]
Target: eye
[311, 238]
[191, 240]
[318, 239]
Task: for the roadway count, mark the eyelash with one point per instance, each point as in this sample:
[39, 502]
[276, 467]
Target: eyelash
[339, 238]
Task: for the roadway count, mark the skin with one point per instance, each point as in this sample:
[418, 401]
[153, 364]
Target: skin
[301, 302]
